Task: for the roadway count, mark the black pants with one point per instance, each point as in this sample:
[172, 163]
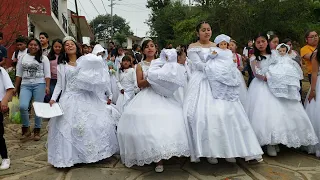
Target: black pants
[3, 147]
[309, 78]
[251, 76]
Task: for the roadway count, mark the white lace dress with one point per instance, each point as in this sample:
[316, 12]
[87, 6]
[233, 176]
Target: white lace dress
[313, 111]
[151, 128]
[127, 80]
[276, 120]
[217, 127]
[86, 133]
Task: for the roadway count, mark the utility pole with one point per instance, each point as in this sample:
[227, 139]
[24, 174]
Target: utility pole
[79, 35]
[111, 6]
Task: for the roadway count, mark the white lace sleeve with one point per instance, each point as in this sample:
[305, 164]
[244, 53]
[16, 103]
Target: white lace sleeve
[255, 66]
[193, 55]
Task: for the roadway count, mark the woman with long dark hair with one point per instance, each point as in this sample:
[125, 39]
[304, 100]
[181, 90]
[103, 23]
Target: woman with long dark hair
[33, 74]
[151, 127]
[53, 56]
[86, 132]
[275, 120]
[217, 124]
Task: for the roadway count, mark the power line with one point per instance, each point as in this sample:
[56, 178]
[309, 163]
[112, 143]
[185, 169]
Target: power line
[95, 7]
[84, 9]
[104, 6]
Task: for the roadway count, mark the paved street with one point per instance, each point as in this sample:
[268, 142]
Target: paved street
[29, 162]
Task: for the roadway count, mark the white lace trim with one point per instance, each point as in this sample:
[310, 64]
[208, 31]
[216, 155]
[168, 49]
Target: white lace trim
[290, 139]
[155, 155]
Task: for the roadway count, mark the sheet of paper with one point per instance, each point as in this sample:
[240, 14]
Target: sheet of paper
[44, 110]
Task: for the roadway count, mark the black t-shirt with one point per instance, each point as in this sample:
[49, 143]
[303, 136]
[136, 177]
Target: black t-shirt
[3, 53]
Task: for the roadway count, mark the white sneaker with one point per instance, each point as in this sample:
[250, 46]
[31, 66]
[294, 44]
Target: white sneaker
[5, 164]
[271, 150]
[231, 160]
[212, 160]
[159, 169]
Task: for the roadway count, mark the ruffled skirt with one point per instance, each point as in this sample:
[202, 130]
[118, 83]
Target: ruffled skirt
[278, 120]
[86, 133]
[151, 128]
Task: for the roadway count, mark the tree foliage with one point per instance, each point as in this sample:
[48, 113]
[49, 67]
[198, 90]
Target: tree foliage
[175, 22]
[101, 26]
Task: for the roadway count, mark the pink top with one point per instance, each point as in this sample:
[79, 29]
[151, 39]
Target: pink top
[53, 67]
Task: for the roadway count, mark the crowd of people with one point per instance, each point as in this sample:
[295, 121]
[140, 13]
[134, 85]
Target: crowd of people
[149, 105]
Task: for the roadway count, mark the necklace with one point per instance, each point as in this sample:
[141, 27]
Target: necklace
[146, 62]
[72, 63]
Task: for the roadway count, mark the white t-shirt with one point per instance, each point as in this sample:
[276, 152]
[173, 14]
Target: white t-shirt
[20, 54]
[5, 82]
[33, 72]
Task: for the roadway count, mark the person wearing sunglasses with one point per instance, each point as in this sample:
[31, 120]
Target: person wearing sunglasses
[312, 40]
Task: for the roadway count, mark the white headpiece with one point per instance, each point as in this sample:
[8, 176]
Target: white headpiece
[69, 38]
[283, 44]
[221, 38]
[97, 49]
[145, 39]
[169, 55]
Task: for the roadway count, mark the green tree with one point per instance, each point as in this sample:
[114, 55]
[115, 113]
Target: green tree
[101, 26]
[120, 38]
[174, 22]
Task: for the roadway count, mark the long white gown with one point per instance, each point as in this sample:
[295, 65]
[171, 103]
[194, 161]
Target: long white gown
[217, 128]
[313, 111]
[151, 128]
[86, 133]
[276, 120]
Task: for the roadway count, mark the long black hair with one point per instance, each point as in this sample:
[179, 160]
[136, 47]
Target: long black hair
[256, 51]
[52, 54]
[64, 58]
[198, 27]
[126, 58]
[318, 53]
[144, 45]
[117, 49]
[38, 56]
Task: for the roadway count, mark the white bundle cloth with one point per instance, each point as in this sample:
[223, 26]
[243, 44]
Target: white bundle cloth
[91, 74]
[222, 74]
[284, 76]
[165, 75]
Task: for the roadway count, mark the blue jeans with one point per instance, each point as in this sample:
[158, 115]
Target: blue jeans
[37, 91]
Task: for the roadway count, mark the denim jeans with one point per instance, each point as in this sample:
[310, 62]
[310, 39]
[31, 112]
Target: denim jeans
[3, 147]
[37, 91]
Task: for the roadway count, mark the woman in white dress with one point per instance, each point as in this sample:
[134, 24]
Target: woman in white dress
[151, 127]
[312, 103]
[218, 127]
[275, 120]
[86, 133]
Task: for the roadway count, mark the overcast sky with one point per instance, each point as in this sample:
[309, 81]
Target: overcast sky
[134, 11]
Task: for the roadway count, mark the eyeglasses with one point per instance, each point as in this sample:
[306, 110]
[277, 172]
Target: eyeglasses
[313, 37]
